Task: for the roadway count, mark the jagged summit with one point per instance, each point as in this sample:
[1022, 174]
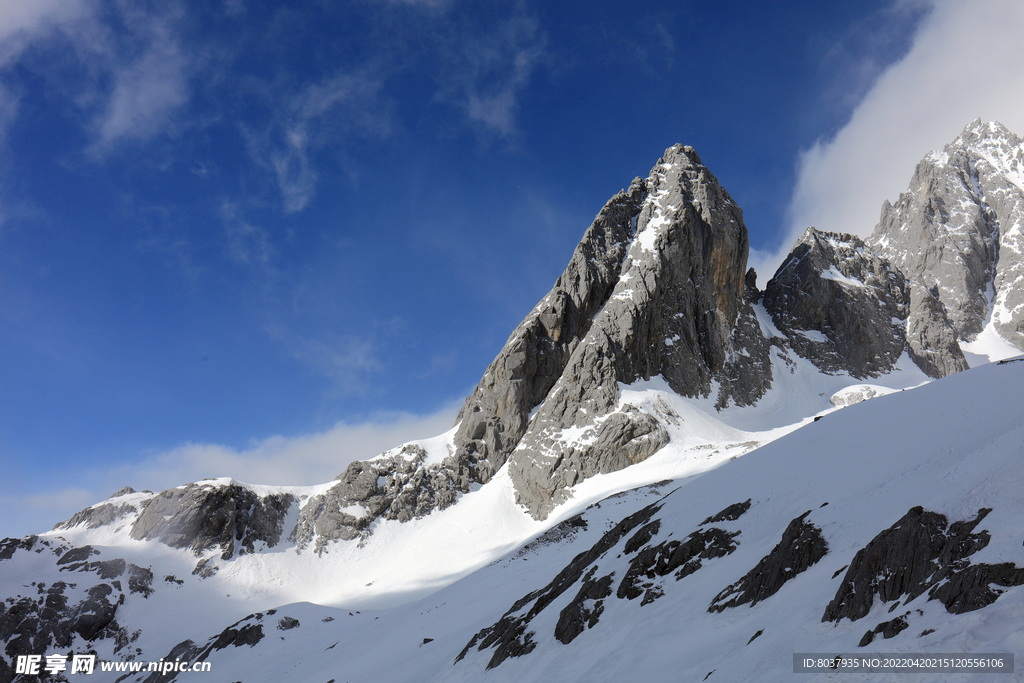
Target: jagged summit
[839, 305]
[957, 234]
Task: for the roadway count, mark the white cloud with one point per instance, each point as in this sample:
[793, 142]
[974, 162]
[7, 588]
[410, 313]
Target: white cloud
[284, 461]
[22, 21]
[485, 73]
[966, 61]
[314, 120]
[148, 90]
[131, 81]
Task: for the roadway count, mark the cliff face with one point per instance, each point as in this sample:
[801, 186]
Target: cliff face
[678, 310]
[958, 233]
[839, 305]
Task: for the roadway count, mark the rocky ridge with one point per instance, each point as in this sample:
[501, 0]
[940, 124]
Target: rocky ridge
[957, 234]
[658, 286]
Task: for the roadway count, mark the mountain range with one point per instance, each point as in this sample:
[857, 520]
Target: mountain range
[666, 471]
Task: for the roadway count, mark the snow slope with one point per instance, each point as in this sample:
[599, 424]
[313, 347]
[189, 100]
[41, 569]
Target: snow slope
[953, 447]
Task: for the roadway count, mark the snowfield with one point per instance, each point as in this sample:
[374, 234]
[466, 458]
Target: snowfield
[952, 447]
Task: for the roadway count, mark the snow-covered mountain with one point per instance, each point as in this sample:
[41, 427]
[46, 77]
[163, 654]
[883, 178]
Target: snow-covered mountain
[589, 517]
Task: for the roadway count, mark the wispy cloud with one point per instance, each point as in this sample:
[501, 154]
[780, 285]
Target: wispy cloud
[485, 73]
[148, 89]
[132, 74]
[322, 114]
[23, 23]
[346, 359]
[286, 461]
[966, 61]
[247, 244]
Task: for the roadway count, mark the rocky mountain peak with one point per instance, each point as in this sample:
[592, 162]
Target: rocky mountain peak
[958, 232]
[839, 304]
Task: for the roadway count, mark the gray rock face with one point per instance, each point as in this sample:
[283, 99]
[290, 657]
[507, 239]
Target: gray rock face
[201, 517]
[397, 485]
[931, 338]
[960, 228]
[673, 312]
[657, 286]
[839, 305]
[495, 416]
[98, 515]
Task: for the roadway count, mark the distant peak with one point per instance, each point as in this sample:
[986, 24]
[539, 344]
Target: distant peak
[681, 153]
[978, 131]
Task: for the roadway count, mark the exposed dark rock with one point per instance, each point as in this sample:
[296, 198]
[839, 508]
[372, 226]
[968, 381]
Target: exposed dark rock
[971, 588]
[660, 560]
[78, 554]
[140, 580]
[287, 623]
[110, 569]
[754, 637]
[839, 305]
[920, 553]
[802, 546]
[205, 568]
[642, 537]
[33, 626]
[888, 629]
[250, 635]
[94, 613]
[562, 531]
[9, 546]
[509, 636]
[203, 516]
[729, 514]
[585, 609]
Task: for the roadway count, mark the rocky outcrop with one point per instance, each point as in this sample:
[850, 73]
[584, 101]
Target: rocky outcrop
[66, 613]
[630, 549]
[801, 547]
[958, 231]
[510, 636]
[839, 305]
[922, 552]
[496, 415]
[202, 516]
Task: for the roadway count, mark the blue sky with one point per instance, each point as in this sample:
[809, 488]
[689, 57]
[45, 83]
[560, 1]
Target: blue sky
[263, 239]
